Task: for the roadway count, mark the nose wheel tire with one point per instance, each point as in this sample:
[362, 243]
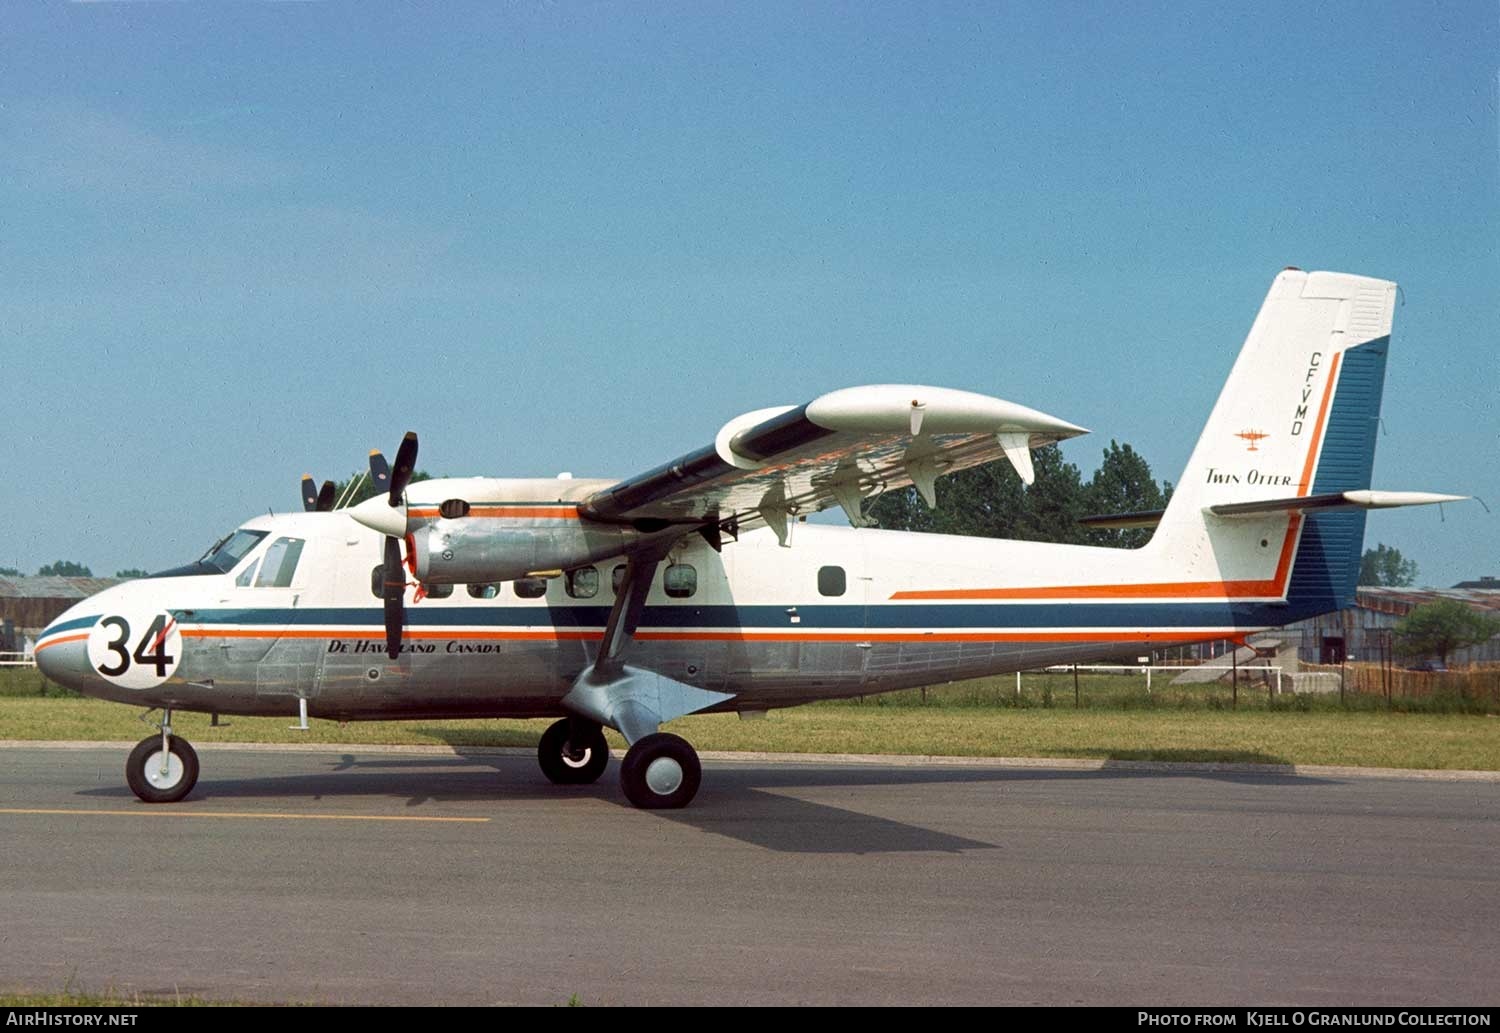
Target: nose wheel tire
[661, 772]
[162, 778]
[570, 763]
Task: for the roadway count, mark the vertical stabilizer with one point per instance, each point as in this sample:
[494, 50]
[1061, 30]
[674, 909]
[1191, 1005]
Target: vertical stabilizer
[1298, 416]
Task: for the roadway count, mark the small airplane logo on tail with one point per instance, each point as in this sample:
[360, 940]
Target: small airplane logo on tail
[1252, 436]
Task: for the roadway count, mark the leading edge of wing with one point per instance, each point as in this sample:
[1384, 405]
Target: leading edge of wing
[847, 444]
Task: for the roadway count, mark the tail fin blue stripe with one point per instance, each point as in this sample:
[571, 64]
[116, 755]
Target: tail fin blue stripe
[1326, 569]
[1348, 452]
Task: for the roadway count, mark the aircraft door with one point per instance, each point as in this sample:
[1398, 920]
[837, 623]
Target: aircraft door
[837, 657]
[808, 628]
[273, 594]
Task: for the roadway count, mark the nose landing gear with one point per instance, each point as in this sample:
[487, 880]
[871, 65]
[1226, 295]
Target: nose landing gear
[162, 768]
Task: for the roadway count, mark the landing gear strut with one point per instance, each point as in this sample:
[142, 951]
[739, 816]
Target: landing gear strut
[573, 752]
[661, 772]
[660, 769]
[162, 768]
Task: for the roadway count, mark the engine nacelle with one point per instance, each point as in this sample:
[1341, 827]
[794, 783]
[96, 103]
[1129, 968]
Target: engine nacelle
[476, 550]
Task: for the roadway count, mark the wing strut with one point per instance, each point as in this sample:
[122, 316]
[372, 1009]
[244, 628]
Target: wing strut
[625, 615]
[632, 700]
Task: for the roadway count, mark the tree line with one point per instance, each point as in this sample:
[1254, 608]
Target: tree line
[991, 501]
[69, 568]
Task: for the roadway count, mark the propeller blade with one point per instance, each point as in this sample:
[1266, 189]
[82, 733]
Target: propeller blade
[406, 462]
[309, 493]
[325, 497]
[395, 588]
[389, 519]
[380, 472]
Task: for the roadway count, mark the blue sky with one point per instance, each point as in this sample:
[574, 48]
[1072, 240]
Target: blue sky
[240, 242]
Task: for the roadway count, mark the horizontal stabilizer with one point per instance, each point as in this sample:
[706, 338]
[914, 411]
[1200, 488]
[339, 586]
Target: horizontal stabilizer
[1334, 500]
[1120, 521]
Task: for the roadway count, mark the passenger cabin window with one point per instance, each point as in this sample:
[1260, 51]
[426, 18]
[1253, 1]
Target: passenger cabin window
[583, 583]
[280, 563]
[488, 590]
[680, 580]
[831, 581]
[617, 578]
[439, 591]
[531, 587]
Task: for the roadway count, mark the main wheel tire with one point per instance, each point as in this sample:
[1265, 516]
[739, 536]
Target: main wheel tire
[660, 772]
[144, 774]
[568, 763]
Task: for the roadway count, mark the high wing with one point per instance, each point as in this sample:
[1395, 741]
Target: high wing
[772, 465]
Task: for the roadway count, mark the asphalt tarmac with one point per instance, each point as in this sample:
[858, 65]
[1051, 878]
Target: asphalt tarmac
[338, 877]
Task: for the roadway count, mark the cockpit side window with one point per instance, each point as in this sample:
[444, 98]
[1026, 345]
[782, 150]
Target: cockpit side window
[280, 563]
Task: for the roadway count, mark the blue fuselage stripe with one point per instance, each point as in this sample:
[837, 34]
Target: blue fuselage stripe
[830, 617]
[77, 624]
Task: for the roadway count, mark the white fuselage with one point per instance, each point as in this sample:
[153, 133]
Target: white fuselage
[838, 612]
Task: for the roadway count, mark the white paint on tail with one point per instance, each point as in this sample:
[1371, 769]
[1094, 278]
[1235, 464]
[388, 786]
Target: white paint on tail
[1265, 435]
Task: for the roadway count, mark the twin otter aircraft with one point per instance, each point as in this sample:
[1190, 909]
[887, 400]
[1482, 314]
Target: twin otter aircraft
[695, 587]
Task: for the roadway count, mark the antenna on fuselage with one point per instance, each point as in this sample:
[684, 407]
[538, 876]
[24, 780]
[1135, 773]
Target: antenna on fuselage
[349, 491]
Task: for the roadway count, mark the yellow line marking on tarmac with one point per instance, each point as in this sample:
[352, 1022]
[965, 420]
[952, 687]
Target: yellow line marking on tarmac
[235, 814]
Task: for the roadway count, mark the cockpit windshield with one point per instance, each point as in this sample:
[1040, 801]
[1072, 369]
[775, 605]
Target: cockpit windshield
[230, 549]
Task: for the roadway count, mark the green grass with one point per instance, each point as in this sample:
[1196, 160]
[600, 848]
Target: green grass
[1116, 719]
[1130, 692]
[28, 681]
[1373, 738]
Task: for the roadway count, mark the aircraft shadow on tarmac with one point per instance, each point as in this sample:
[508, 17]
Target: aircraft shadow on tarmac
[745, 801]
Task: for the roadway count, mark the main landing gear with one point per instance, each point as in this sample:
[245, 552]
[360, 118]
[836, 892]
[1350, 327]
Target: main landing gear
[573, 752]
[162, 768]
[661, 771]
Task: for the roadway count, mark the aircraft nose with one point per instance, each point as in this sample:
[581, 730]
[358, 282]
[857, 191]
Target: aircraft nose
[62, 653]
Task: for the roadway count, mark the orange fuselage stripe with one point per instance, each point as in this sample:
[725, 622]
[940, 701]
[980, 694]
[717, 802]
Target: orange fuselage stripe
[512, 512]
[723, 636]
[412, 633]
[1157, 590]
[59, 641]
[933, 636]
